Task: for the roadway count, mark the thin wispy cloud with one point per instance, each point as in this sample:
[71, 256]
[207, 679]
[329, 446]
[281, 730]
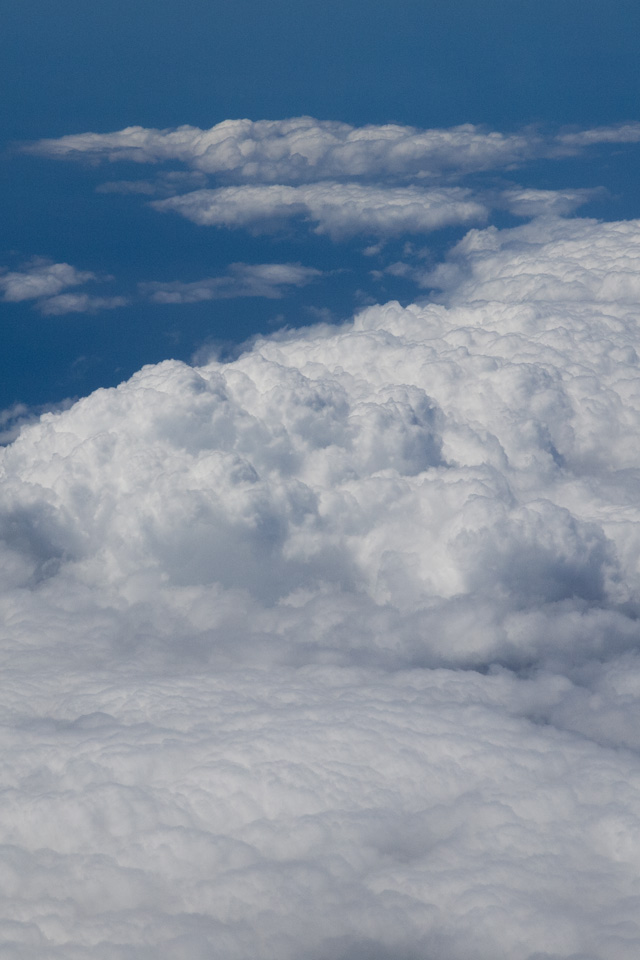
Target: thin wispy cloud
[269, 280]
[46, 283]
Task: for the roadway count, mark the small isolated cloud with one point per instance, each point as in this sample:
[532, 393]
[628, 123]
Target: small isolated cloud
[40, 278]
[302, 149]
[338, 209]
[528, 202]
[44, 281]
[78, 303]
[242, 280]
[619, 133]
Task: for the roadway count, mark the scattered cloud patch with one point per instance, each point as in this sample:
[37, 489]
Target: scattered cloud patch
[78, 303]
[529, 202]
[618, 133]
[40, 278]
[242, 280]
[45, 282]
[340, 210]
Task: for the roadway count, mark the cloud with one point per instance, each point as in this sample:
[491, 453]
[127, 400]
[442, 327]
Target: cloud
[340, 210]
[618, 133]
[331, 651]
[528, 202]
[168, 183]
[78, 303]
[40, 278]
[43, 280]
[581, 261]
[242, 280]
[303, 149]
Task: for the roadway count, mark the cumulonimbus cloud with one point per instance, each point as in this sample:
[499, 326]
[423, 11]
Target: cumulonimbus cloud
[332, 650]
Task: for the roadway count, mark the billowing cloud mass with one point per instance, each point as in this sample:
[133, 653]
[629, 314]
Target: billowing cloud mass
[305, 149]
[340, 210]
[331, 652]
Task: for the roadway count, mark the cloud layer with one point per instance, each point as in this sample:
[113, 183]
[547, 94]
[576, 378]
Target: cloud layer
[330, 652]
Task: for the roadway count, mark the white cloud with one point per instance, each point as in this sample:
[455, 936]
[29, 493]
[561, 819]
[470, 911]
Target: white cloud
[40, 278]
[44, 281]
[619, 133]
[305, 149]
[340, 210]
[79, 303]
[527, 202]
[332, 651]
[302, 149]
[241, 280]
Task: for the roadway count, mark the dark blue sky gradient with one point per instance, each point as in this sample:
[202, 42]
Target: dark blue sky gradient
[73, 65]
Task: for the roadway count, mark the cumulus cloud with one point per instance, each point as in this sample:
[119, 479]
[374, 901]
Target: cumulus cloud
[78, 303]
[301, 148]
[529, 202]
[40, 278]
[242, 280]
[44, 281]
[305, 149]
[332, 651]
[379, 181]
[618, 133]
[340, 210]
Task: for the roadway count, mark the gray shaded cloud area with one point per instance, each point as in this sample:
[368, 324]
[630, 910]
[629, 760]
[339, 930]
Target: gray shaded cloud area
[331, 652]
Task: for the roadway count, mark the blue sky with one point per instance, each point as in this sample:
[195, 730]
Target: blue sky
[74, 67]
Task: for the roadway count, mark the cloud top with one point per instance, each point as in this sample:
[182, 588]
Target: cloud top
[331, 650]
[312, 473]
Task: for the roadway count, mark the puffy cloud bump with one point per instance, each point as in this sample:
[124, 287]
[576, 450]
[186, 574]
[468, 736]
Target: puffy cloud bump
[331, 651]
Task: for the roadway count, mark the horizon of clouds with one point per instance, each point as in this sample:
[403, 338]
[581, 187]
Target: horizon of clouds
[332, 650]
